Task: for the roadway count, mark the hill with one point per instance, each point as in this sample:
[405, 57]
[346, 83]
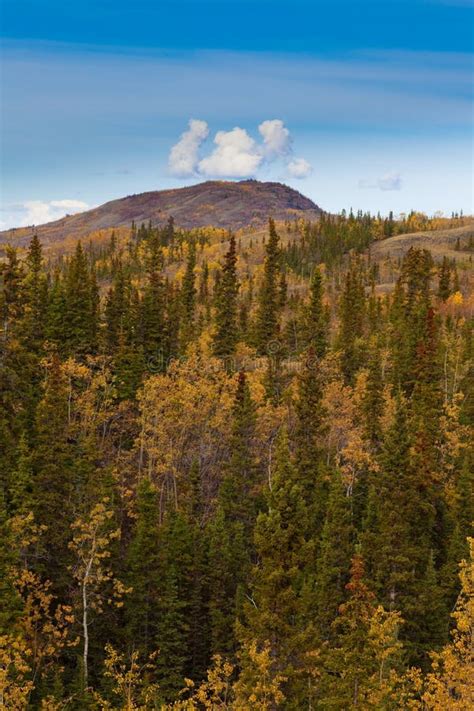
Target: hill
[441, 243]
[231, 205]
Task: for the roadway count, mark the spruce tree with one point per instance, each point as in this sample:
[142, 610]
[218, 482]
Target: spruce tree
[153, 316]
[230, 530]
[444, 280]
[35, 290]
[117, 311]
[280, 607]
[309, 433]
[226, 330]
[335, 552]
[188, 296]
[267, 317]
[56, 317]
[314, 326]
[373, 404]
[352, 310]
[53, 481]
[143, 567]
[81, 305]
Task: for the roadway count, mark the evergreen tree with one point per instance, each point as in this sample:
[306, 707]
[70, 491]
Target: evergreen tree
[373, 404]
[237, 491]
[143, 566]
[56, 316]
[309, 434]
[267, 318]
[444, 281]
[12, 297]
[53, 482]
[352, 310]
[117, 311]
[314, 330]
[153, 317]
[280, 610]
[399, 540]
[226, 333]
[35, 289]
[230, 531]
[336, 548]
[81, 306]
[188, 296]
[357, 667]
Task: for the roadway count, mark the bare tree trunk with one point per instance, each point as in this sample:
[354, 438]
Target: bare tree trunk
[85, 622]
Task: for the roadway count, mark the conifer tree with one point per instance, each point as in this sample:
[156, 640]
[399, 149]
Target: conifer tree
[21, 482]
[226, 333]
[399, 549]
[333, 563]
[56, 316]
[314, 327]
[280, 608]
[188, 296]
[153, 318]
[352, 309]
[309, 434]
[117, 311]
[81, 306]
[11, 302]
[373, 404]
[141, 605]
[267, 317]
[35, 289]
[410, 306]
[172, 633]
[230, 531]
[237, 489]
[53, 482]
[444, 280]
[357, 667]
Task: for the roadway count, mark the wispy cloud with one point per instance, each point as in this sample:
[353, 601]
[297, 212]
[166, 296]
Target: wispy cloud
[37, 212]
[389, 181]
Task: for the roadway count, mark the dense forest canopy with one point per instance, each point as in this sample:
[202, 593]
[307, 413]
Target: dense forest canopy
[236, 470]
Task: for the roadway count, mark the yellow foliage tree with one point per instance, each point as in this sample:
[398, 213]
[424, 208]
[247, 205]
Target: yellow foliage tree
[450, 684]
[91, 547]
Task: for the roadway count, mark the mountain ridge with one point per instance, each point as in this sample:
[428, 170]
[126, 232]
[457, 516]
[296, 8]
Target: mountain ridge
[226, 204]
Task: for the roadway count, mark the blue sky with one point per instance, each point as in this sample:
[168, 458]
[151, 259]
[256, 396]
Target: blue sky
[365, 104]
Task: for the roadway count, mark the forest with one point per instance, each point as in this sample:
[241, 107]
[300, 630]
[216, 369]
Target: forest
[236, 470]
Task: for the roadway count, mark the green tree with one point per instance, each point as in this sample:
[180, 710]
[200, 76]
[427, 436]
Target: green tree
[314, 326]
[352, 312]
[188, 296]
[280, 610]
[226, 331]
[81, 306]
[333, 564]
[267, 317]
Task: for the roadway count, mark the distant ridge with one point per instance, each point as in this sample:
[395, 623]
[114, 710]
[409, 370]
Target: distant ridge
[232, 205]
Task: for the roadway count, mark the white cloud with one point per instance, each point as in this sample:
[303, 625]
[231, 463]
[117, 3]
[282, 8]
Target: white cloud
[236, 155]
[389, 181]
[276, 138]
[183, 158]
[37, 212]
[299, 168]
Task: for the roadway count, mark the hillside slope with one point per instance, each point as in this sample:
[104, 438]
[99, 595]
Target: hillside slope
[441, 243]
[221, 204]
